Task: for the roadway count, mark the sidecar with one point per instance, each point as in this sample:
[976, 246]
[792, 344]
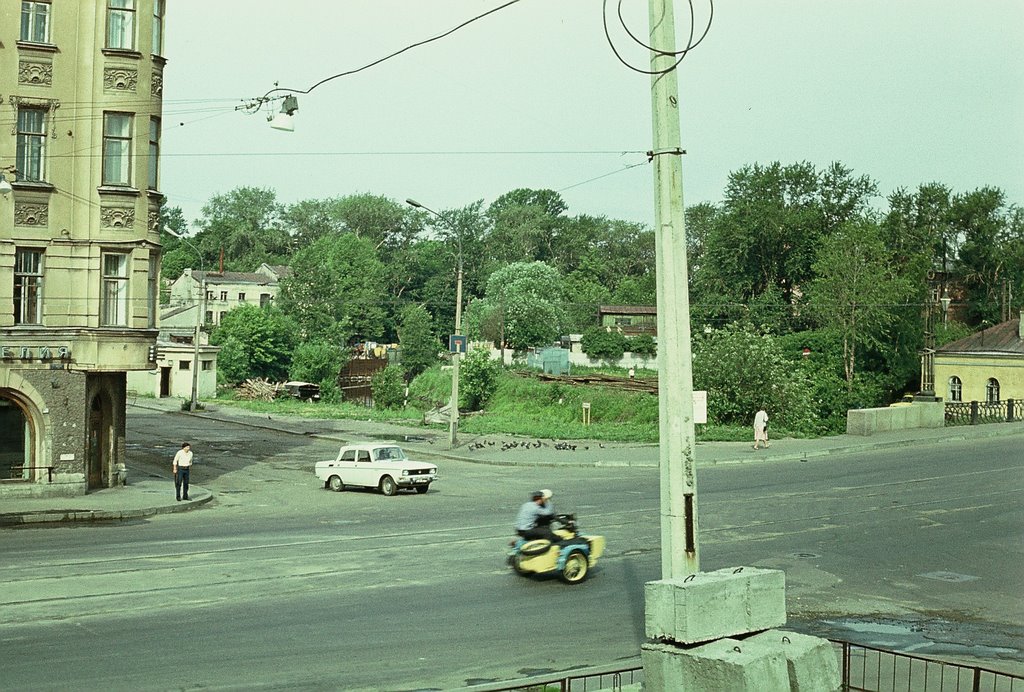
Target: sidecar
[571, 557]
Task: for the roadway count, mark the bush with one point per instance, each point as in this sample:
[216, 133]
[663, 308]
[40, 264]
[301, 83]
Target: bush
[317, 361]
[478, 379]
[601, 344]
[642, 345]
[388, 386]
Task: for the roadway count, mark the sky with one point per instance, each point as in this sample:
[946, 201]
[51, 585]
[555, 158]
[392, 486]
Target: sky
[905, 91]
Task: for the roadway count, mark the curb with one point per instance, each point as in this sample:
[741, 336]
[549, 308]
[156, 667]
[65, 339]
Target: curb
[50, 516]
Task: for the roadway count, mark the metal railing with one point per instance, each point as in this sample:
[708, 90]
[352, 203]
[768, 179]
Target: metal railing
[980, 412]
[20, 473]
[863, 669]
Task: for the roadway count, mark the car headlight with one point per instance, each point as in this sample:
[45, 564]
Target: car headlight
[433, 470]
[404, 472]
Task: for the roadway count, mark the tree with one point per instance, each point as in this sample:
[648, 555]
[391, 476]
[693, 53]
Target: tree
[256, 342]
[981, 218]
[857, 291]
[336, 290]
[418, 340]
[743, 371]
[528, 296]
[245, 224]
[319, 362]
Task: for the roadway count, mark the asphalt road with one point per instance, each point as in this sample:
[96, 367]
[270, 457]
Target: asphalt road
[281, 584]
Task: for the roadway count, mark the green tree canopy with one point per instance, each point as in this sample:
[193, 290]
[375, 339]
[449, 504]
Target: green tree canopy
[418, 341]
[256, 342]
[245, 224]
[529, 296]
[858, 292]
[336, 290]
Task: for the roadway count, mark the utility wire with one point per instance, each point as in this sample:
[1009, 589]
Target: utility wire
[263, 99]
[690, 44]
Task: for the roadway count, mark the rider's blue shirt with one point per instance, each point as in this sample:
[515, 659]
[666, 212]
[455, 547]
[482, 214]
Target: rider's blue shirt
[530, 512]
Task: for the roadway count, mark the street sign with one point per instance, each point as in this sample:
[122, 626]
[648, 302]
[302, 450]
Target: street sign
[457, 343]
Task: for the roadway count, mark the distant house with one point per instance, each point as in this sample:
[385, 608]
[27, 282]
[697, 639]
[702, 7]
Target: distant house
[987, 366]
[629, 319]
[227, 290]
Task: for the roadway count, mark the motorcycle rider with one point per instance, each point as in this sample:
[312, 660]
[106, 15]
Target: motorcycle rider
[534, 518]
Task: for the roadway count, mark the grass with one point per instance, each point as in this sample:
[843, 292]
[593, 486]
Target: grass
[521, 405]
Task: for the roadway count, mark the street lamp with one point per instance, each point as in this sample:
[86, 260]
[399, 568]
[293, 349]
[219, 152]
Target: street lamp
[194, 403]
[453, 424]
[5, 186]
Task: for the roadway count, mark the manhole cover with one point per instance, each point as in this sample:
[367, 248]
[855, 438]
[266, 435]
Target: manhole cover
[948, 576]
[804, 556]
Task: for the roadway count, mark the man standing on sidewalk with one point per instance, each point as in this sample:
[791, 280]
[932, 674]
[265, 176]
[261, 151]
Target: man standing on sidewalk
[181, 466]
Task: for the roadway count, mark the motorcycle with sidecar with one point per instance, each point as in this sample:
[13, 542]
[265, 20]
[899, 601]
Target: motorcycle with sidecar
[570, 557]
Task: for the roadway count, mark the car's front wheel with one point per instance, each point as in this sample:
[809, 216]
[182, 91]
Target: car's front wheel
[335, 483]
[388, 485]
[422, 488]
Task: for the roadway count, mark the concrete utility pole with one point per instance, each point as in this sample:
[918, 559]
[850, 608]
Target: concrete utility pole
[680, 555]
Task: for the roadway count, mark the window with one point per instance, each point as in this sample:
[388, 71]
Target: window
[28, 286]
[117, 148]
[220, 318]
[31, 143]
[154, 153]
[35, 22]
[265, 299]
[184, 365]
[992, 390]
[224, 295]
[956, 389]
[121, 24]
[114, 296]
[207, 365]
[158, 27]
[209, 317]
[241, 297]
[153, 290]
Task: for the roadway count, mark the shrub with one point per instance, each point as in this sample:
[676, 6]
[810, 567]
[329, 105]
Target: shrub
[317, 361]
[642, 345]
[477, 380]
[388, 387]
[601, 344]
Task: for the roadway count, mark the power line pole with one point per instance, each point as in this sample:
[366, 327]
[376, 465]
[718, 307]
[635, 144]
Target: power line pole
[680, 555]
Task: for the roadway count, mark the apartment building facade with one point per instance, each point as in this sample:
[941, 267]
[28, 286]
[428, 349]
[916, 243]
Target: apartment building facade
[81, 86]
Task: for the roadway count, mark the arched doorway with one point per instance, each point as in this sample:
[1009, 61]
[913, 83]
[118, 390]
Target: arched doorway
[100, 422]
[15, 441]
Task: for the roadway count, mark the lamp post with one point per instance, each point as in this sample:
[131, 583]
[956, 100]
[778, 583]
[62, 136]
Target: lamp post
[453, 423]
[200, 304]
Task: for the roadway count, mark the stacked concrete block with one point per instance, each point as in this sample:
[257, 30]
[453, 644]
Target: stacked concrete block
[711, 605]
[812, 662]
[728, 665]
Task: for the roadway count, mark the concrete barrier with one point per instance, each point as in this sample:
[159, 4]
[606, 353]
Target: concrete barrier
[712, 605]
[920, 414]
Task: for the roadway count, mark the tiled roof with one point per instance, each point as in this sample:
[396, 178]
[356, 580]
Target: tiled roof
[1001, 338]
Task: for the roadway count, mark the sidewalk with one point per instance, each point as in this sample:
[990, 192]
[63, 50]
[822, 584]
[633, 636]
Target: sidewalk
[147, 496]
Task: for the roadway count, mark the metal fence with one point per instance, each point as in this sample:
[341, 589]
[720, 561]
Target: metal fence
[980, 412]
[863, 668]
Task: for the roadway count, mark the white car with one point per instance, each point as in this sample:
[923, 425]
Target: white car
[383, 466]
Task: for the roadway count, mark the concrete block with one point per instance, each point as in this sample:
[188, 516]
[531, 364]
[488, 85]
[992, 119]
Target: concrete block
[812, 662]
[728, 665]
[712, 605]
